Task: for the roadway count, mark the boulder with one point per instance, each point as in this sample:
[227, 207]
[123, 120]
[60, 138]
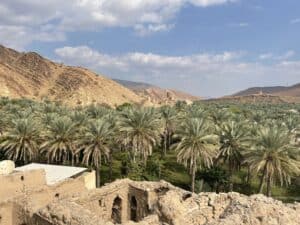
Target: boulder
[6, 167]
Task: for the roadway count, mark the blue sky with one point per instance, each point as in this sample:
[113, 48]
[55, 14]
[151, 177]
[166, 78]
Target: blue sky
[205, 47]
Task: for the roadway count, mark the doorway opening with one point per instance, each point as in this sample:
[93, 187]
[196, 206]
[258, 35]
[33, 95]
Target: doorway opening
[116, 213]
[133, 209]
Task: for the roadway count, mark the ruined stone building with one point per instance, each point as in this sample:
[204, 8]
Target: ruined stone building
[40, 194]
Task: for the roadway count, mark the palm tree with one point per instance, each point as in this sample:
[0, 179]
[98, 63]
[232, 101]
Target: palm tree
[195, 111]
[234, 139]
[21, 141]
[3, 123]
[218, 116]
[292, 124]
[59, 140]
[48, 118]
[169, 117]
[112, 118]
[273, 156]
[95, 143]
[197, 146]
[139, 129]
[97, 112]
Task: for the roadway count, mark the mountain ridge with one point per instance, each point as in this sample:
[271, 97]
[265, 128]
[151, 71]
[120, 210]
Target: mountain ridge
[271, 94]
[29, 75]
[293, 90]
[157, 95]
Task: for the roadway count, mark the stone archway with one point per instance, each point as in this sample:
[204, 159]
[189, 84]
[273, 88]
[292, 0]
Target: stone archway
[133, 209]
[116, 212]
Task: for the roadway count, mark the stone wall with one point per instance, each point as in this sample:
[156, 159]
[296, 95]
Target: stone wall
[89, 179]
[19, 182]
[6, 213]
[11, 214]
[132, 203]
[101, 201]
[159, 203]
[137, 204]
[28, 190]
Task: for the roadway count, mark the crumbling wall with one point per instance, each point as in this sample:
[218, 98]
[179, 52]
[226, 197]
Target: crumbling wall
[39, 198]
[161, 203]
[66, 212]
[101, 201]
[19, 182]
[6, 214]
[29, 190]
[11, 214]
[141, 207]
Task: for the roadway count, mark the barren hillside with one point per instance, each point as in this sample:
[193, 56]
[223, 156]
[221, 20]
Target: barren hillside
[291, 91]
[257, 98]
[31, 76]
[157, 95]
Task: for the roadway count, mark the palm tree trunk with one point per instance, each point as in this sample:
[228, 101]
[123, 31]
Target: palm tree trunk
[230, 176]
[98, 176]
[169, 140]
[262, 179]
[72, 156]
[193, 178]
[110, 166]
[165, 143]
[201, 185]
[269, 190]
[248, 179]
[76, 158]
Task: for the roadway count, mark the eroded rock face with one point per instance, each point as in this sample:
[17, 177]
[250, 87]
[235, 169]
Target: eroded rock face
[226, 209]
[66, 212]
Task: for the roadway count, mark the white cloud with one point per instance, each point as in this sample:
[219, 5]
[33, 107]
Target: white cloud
[266, 56]
[19, 36]
[294, 21]
[242, 24]
[204, 74]
[144, 16]
[270, 56]
[287, 55]
[205, 3]
[143, 30]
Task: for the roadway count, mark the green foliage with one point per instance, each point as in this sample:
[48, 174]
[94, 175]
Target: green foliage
[21, 142]
[139, 130]
[216, 177]
[228, 145]
[124, 106]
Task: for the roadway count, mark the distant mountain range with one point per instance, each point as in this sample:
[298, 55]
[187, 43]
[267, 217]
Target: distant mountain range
[275, 94]
[293, 91]
[157, 95]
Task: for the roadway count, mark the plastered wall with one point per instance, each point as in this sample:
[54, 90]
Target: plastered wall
[19, 182]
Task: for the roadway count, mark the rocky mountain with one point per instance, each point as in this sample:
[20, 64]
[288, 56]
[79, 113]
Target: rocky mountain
[29, 75]
[292, 91]
[157, 95]
[273, 95]
[253, 99]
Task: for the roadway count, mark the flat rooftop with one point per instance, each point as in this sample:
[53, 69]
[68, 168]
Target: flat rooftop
[54, 173]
